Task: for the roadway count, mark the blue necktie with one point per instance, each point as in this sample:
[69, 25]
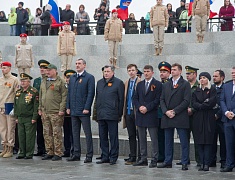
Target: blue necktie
[129, 100]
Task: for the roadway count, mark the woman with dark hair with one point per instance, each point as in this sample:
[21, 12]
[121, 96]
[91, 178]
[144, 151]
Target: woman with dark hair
[204, 123]
[46, 20]
[133, 27]
[226, 13]
[82, 18]
[2, 16]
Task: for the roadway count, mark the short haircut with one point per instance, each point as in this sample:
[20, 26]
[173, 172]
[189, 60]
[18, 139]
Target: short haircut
[131, 65]
[178, 65]
[110, 66]
[148, 67]
[83, 61]
[221, 73]
[233, 67]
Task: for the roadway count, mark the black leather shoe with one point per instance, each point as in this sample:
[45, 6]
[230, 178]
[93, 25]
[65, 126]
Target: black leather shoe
[184, 167]
[206, 168]
[130, 161]
[102, 161]
[153, 164]
[164, 165]
[138, 159]
[226, 169]
[198, 165]
[141, 163]
[201, 168]
[73, 158]
[223, 165]
[28, 157]
[126, 159]
[47, 157]
[56, 158]
[19, 157]
[99, 157]
[180, 163]
[213, 164]
[88, 160]
[66, 155]
[112, 162]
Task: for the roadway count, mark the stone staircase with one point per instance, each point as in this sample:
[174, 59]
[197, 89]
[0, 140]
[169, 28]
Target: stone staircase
[217, 52]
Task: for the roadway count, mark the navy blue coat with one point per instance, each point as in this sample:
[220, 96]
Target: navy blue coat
[227, 100]
[150, 100]
[109, 99]
[81, 93]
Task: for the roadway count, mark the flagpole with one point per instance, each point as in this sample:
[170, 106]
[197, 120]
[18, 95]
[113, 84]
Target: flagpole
[41, 3]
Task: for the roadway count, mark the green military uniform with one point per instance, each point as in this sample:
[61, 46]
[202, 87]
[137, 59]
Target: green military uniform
[52, 100]
[26, 110]
[163, 66]
[190, 69]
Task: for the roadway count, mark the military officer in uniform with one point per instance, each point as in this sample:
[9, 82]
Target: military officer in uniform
[9, 84]
[36, 84]
[165, 72]
[52, 101]
[26, 113]
[24, 55]
[68, 136]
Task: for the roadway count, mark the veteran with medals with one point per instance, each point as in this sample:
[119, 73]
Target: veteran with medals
[25, 110]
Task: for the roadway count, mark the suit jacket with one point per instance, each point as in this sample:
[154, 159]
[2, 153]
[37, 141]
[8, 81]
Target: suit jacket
[150, 100]
[227, 100]
[178, 99]
[126, 100]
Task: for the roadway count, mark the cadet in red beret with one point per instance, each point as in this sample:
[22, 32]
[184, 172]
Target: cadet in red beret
[24, 56]
[6, 64]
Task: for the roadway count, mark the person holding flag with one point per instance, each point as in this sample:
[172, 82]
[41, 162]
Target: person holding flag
[201, 12]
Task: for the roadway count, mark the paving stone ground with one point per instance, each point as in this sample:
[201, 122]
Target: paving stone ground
[36, 169]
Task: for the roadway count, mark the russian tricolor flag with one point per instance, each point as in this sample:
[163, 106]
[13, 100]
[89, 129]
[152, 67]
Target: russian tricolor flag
[55, 13]
[212, 14]
[123, 11]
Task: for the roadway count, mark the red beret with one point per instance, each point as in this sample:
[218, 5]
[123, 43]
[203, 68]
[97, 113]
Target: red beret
[66, 23]
[23, 35]
[6, 64]
[114, 10]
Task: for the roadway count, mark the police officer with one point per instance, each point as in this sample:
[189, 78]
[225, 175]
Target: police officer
[26, 112]
[24, 55]
[165, 72]
[36, 84]
[68, 136]
[8, 87]
[52, 100]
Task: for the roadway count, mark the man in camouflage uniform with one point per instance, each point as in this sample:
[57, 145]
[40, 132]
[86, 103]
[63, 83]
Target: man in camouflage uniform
[52, 101]
[8, 87]
[26, 112]
[36, 84]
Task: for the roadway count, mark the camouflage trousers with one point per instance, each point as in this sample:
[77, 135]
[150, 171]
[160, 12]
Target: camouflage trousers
[52, 132]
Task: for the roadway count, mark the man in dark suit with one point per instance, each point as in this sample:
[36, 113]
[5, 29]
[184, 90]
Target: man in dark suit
[146, 101]
[227, 104]
[175, 100]
[129, 115]
[109, 107]
[81, 91]
[218, 78]
[165, 72]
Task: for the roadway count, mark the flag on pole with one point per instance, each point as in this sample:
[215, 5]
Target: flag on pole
[55, 13]
[212, 14]
[123, 11]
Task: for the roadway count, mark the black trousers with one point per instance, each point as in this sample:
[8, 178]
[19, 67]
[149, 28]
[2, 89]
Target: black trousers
[85, 121]
[204, 151]
[16, 145]
[219, 132]
[40, 138]
[133, 134]
[161, 142]
[108, 131]
[45, 29]
[68, 136]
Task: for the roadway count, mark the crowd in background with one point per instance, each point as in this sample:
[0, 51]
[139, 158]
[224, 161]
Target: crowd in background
[38, 22]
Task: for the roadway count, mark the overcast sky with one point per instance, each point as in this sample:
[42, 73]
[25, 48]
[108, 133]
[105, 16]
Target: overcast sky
[138, 7]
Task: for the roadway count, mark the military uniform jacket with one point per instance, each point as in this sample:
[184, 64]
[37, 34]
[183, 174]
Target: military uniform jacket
[37, 83]
[52, 98]
[24, 56]
[26, 103]
[9, 84]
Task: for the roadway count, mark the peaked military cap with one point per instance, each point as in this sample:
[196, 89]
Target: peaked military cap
[139, 73]
[24, 76]
[14, 74]
[43, 63]
[51, 66]
[190, 69]
[164, 66]
[69, 72]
